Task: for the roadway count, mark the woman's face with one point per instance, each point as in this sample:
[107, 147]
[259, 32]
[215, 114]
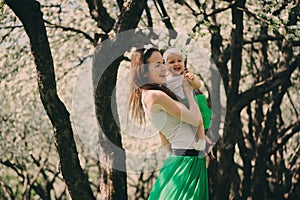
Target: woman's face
[157, 71]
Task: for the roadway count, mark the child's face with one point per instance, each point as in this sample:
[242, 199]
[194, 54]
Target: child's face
[175, 64]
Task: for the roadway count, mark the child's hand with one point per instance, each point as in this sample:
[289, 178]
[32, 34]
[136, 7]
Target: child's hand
[189, 76]
[210, 152]
[192, 79]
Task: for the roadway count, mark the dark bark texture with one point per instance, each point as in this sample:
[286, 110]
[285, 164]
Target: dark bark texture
[28, 11]
[107, 58]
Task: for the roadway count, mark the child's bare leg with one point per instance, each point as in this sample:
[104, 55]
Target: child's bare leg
[200, 131]
[200, 136]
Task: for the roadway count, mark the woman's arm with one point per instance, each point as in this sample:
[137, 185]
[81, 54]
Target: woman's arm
[178, 110]
[165, 142]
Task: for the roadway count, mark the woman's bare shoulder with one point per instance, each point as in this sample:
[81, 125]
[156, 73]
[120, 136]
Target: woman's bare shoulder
[154, 99]
[156, 95]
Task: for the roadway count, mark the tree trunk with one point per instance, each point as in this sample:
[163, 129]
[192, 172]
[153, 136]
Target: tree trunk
[108, 55]
[221, 63]
[113, 184]
[28, 11]
[260, 176]
[228, 179]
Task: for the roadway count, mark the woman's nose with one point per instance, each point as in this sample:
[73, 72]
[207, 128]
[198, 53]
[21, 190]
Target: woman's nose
[164, 66]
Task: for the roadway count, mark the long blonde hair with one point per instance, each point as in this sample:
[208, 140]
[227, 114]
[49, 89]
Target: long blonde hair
[140, 81]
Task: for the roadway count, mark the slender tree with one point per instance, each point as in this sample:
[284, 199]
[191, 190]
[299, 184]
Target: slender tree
[28, 11]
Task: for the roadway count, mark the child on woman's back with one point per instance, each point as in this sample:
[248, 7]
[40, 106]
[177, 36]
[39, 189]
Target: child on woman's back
[174, 59]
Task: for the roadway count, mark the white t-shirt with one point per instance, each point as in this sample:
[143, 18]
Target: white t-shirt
[174, 83]
[180, 134]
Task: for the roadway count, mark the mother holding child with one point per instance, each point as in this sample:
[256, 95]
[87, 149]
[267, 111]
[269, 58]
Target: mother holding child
[179, 120]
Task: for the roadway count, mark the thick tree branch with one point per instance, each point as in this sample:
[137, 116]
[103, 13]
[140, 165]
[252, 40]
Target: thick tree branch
[258, 90]
[219, 10]
[87, 36]
[236, 51]
[165, 17]
[220, 58]
[183, 2]
[264, 38]
[13, 166]
[292, 104]
[149, 22]
[8, 33]
[40, 164]
[149, 17]
[120, 4]
[280, 9]
[269, 132]
[198, 4]
[222, 62]
[212, 14]
[251, 14]
[7, 190]
[294, 14]
[287, 133]
[296, 43]
[130, 15]
[24, 190]
[100, 15]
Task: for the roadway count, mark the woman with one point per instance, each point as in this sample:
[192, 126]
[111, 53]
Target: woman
[183, 174]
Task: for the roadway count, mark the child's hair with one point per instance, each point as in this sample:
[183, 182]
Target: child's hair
[170, 51]
[139, 67]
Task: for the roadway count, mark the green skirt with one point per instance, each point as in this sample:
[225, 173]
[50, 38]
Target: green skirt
[181, 178]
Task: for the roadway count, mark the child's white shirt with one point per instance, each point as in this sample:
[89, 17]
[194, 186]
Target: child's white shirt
[174, 83]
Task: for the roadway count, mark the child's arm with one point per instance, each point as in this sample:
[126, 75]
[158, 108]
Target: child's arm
[193, 80]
